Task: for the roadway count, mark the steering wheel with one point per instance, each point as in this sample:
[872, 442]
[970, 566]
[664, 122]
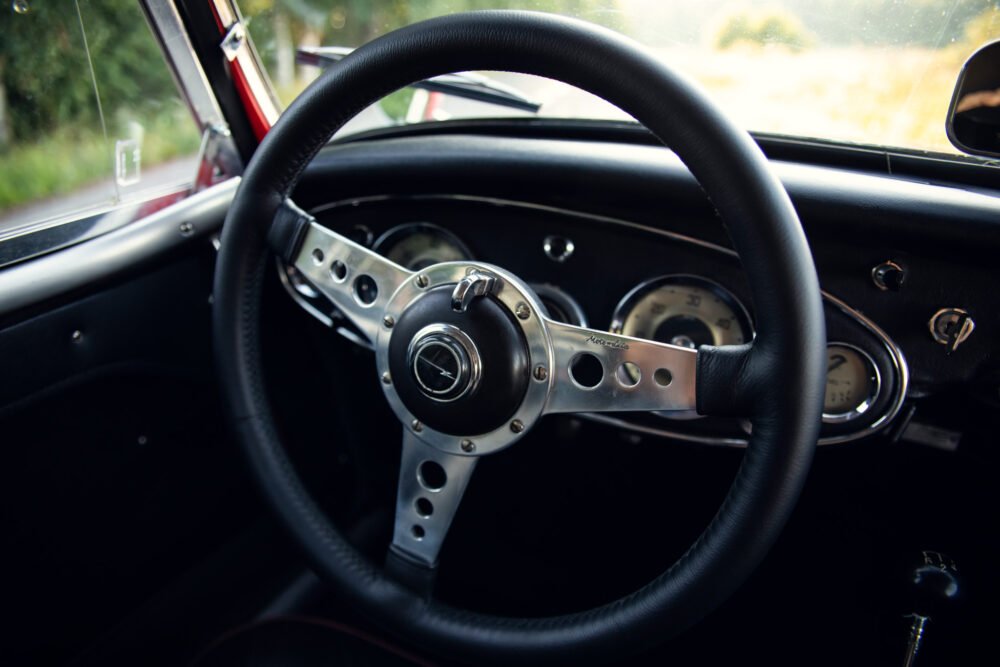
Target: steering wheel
[469, 362]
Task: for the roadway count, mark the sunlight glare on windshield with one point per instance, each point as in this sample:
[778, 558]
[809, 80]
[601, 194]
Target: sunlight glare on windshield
[876, 72]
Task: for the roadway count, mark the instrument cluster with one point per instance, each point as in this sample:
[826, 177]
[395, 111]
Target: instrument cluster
[866, 373]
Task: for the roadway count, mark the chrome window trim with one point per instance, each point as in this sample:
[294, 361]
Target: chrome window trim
[895, 353]
[195, 217]
[168, 29]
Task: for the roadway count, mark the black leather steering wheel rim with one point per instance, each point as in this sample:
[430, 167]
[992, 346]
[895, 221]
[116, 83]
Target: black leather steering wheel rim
[778, 380]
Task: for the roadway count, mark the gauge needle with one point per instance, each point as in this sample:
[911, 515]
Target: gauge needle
[444, 372]
[836, 362]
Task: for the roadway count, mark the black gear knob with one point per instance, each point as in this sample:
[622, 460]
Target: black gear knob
[933, 587]
[933, 584]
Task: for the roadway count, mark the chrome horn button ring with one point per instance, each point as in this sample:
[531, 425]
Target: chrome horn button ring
[445, 362]
[514, 297]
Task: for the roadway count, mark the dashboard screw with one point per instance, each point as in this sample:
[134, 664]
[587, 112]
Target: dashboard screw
[541, 373]
[187, 229]
[388, 321]
[468, 446]
[417, 426]
[422, 281]
[522, 311]
[517, 426]
[386, 378]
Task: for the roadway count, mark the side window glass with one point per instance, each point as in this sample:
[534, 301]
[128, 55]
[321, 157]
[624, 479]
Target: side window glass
[90, 116]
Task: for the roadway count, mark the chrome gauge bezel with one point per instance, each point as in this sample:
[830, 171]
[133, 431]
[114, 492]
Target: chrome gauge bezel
[628, 302]
[395, 235]
[870, 400]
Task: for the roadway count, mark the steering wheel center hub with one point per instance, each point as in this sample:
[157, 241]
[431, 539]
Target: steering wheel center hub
[458, 370]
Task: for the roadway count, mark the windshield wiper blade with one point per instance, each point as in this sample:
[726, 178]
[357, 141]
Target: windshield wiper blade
[469, 85]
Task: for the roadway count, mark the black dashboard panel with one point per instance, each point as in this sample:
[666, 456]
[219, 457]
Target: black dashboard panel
[635, 213]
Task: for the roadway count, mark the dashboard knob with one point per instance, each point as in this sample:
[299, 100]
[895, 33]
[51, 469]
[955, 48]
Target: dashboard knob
[951, 327]
[889, 276]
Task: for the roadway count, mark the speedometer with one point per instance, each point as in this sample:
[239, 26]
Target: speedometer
[683, 310]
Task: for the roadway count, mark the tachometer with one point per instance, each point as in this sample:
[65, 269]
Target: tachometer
[416, 246]
[683, 310]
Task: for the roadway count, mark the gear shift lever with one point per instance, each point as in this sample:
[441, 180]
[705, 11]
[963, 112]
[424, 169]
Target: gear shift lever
[933, 586]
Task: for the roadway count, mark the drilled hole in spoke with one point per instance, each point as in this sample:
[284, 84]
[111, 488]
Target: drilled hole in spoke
[424, 507]
[338, 271]
[628, 374]
[365, 289]
[586, 370]
[418, 532]
[663, 377]
[432, 476]
[317, 256]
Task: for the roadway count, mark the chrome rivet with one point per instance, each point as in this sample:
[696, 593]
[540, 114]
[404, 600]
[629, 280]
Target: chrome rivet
[388, 321]
[386, 378]
[517, 426]
[541, 373]
[76, 336]
[416, 425]
[522, 311]
[422, 281]
[468, 446]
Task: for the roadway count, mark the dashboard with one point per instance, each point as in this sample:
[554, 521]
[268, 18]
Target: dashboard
[626, 278]
[604, 230]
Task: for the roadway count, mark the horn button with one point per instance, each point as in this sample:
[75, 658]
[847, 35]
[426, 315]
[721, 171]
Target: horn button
[459, 372]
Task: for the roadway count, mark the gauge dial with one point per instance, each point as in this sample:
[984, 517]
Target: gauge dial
[417, 246]
[852, 383]
[688, 311]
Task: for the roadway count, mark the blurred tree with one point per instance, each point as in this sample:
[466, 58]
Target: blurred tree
[981, 29]
[278, 26]
[44, 69]
[765, 27]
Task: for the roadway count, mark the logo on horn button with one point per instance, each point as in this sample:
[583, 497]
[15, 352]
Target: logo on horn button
[444, 362]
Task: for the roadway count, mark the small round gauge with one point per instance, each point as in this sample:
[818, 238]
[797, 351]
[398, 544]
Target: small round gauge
[683, 310]
[561, 306]
[419, 245]
[852, 383]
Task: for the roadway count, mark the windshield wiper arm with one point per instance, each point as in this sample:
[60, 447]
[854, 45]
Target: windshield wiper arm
[469, 85]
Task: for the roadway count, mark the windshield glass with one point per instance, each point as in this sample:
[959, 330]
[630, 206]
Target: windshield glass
[875, 72]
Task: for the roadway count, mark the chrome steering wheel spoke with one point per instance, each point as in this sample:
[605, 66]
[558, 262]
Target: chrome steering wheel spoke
[431, 486]
[358, 281]
[596, 371]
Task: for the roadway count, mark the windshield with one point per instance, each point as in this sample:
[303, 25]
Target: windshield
[874, 72]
